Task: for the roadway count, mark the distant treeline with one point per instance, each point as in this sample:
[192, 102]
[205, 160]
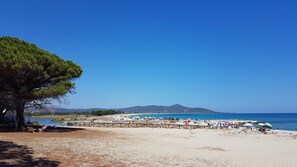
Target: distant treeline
[104, 112]
[87, 113]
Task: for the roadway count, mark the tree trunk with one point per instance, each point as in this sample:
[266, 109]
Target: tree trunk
[20, 121]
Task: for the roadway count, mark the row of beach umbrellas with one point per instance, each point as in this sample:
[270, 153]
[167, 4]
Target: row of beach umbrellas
[265, 125]
[259, 124]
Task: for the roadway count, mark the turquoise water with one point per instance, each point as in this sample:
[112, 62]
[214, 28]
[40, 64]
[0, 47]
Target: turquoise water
[286, 121]
[45, 121]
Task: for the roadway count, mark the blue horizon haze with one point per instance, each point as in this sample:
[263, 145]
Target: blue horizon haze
[227, 56]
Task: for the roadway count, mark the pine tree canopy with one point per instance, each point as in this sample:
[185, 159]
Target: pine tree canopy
[31, 73]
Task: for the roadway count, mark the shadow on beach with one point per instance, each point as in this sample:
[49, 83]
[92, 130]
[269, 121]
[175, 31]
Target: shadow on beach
[49, 129]
[12, 154]
[63, 129]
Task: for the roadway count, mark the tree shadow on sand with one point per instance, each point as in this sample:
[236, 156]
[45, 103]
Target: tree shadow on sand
[49, 129]
[63, 129]
[12, 154]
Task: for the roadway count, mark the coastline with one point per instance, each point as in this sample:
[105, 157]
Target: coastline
[155, 118]
[282, 121]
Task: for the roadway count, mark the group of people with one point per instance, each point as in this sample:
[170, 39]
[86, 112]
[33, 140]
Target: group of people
[263, 130]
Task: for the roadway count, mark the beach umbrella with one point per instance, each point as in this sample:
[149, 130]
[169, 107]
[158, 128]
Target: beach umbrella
[193, 123]
[167, 122]
[248, 125]
[203, 124]
[261, 124]
[268, 125]
[186, 122]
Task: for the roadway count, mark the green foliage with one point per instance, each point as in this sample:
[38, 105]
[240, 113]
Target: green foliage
[42, 113]
[34, 123]
[28, 73]
[103, 112]
[60, 119]
[33, 73]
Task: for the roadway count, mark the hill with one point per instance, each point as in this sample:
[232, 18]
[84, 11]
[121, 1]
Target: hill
[177, 108]
[166, 109]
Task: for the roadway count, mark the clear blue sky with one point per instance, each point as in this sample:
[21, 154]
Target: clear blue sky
[230, 56]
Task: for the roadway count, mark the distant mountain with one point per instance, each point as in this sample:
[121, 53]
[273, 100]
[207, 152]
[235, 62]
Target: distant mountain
[76, 109]
[177, 108]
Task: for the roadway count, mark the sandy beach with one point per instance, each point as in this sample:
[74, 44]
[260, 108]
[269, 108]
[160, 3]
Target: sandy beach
[149, 147]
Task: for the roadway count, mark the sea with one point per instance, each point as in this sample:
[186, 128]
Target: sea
[45, 121]
[281, 121]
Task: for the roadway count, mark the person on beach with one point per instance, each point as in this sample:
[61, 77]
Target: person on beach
[43, 129]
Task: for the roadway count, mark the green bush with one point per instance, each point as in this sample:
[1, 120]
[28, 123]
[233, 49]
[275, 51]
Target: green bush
[103, 112]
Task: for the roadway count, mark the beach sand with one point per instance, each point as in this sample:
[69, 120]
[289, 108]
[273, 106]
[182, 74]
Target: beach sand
[149, 147]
